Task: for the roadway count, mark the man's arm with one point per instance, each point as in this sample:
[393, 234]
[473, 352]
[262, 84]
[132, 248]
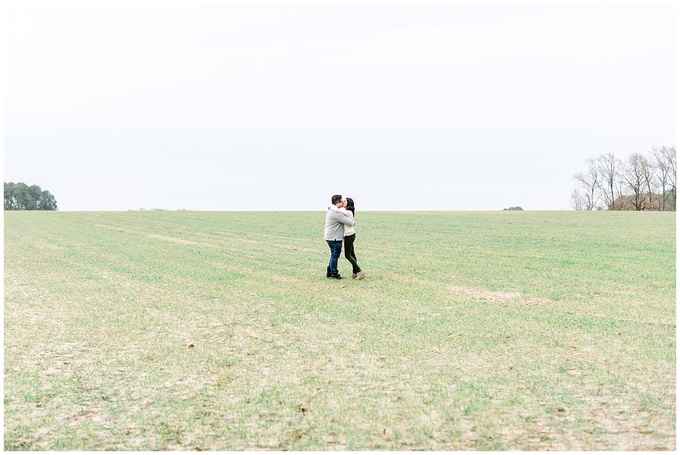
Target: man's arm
[343, 219]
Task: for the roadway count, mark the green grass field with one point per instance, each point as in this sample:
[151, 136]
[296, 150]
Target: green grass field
[220, 331]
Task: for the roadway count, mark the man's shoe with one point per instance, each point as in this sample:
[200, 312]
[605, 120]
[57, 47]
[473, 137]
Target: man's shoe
[328, 273]
[336, 276]
[360, 275]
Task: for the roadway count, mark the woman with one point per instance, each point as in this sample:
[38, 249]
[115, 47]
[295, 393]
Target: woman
[350, 235]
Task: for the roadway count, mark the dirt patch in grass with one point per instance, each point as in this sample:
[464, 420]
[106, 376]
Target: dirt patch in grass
[496, 297]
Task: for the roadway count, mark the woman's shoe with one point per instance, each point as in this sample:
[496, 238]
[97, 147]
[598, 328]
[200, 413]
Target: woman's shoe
[360, 275]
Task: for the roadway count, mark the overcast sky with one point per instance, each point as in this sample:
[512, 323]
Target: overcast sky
[220, 106]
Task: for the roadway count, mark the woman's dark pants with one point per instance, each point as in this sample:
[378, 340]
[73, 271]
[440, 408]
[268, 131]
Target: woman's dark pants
[349, 253]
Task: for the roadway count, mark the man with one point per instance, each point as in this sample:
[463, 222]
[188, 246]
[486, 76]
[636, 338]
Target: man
[335, 232]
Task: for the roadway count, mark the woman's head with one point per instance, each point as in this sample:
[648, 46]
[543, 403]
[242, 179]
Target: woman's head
[350, 204]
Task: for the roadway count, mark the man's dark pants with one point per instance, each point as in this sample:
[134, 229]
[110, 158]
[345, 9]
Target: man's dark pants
[336, 249]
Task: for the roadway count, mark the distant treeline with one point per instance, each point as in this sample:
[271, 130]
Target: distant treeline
[19, 196]
[641, 182]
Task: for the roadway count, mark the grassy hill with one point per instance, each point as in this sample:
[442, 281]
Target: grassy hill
[508, 330]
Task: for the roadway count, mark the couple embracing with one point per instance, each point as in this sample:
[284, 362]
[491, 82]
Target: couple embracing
[339, 228]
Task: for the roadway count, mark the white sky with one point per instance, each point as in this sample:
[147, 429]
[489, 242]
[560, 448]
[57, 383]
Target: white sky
[221, 106]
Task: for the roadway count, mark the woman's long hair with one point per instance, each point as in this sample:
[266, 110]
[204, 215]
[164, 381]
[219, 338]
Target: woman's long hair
[350, 205]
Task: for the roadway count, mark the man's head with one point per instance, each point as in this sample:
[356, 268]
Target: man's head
[336, 199]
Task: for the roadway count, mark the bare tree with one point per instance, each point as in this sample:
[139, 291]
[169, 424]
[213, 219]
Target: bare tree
[633, 177]
[577, 199]
[667, 162]
[649, 177]
[662, 175]
[586, 197]
[609, 172]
